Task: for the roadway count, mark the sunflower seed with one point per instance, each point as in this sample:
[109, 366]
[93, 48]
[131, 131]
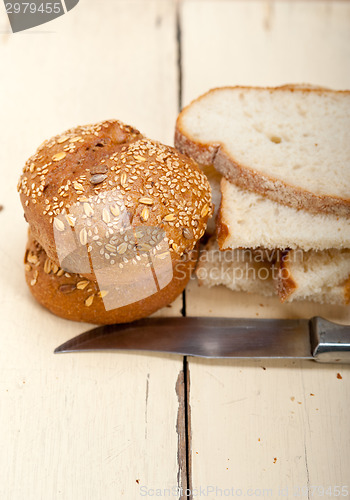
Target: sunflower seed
[102, 293]
[27, 267]
[59, 225]
[82, 284]
[68, 288]
[187, 233]
[60, 272]
[83, 236]
[75, 139]
[59, 156]
[89, 300]
[99, 169]
[98, 178]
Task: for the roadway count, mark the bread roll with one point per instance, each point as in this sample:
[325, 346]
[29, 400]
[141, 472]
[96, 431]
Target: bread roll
[111, 213]
[77, 298]
[87, 191]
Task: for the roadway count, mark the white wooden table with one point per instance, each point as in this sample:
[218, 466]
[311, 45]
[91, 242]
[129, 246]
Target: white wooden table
[109, 426]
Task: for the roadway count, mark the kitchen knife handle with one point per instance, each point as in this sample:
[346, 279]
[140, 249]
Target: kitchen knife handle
[330, 342]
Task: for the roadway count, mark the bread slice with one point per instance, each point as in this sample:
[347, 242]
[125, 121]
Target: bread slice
[290, 143]
[317, 276]
[240, 270]
[251, 220]
[294, 275]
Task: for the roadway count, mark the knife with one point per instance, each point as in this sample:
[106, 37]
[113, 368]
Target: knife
[316, 339]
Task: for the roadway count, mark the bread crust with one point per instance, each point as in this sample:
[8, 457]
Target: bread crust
[250, 179]
[222, 230]
[285, 284]
[69, 295]
[347, 292]
[157, 187]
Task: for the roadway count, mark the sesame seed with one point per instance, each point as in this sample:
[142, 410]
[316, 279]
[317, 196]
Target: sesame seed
[83, 236]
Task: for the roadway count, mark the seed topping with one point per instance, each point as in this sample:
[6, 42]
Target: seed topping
[59, 156]
[145, 214]
[68, 288]
[89, 301]
[170, 218]
[146, 201]
[82, 284]
[59, 225]
[98, 178]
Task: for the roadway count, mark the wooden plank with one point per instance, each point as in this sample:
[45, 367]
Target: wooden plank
[90, 425]
[234, 404]
[269, 426]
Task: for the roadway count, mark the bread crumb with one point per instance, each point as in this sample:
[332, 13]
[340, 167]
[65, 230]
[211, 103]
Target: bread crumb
[339, 376]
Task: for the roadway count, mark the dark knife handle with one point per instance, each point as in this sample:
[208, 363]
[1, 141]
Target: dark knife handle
[330, 342]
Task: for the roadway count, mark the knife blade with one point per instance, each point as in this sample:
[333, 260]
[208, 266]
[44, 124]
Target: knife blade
[316, 339]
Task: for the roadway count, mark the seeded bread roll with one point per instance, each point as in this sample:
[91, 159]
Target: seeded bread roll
[91, 194]
[74, 297]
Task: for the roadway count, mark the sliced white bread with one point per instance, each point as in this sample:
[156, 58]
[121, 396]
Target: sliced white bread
[317, 276]
[251, 220]
[240, 270]
[322, 277]
[290, 143]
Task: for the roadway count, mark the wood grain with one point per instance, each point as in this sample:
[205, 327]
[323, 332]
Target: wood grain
[83, 426]
[265, 425]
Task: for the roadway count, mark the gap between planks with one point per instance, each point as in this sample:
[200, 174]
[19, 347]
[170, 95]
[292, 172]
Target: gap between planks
[184, 479]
